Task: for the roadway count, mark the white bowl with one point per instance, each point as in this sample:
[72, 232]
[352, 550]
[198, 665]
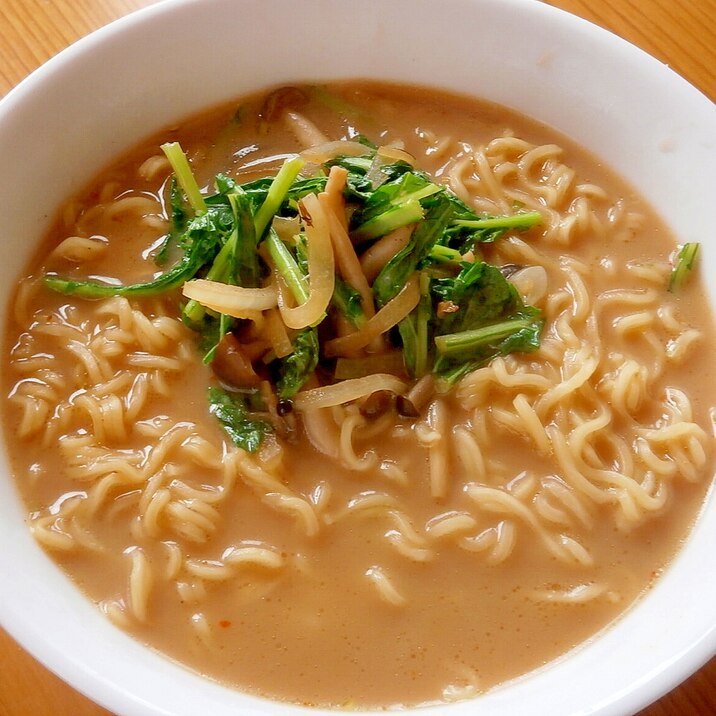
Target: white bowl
[98, 97]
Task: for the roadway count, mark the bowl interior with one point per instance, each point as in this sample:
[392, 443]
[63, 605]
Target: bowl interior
[64, 123]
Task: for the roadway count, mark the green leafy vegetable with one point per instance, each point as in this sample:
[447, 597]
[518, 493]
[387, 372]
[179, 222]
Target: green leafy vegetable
[232, 411]
[460, 353]
[297, 367]
[490, 320]
[245, 270]
[443, 254]
[277, 192]
[211, 329]
[392, 205]
[184, 176]
[179, 219]
[287, 266]
[397, 271]
[408, 332]
[685, 263]
[349, 302]
[423, 316]
[517, 221]
[216, 225]
[186, 268]
[468, 229]
[482, 294]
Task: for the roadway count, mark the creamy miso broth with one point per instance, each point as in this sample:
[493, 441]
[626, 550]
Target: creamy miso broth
[380, 551]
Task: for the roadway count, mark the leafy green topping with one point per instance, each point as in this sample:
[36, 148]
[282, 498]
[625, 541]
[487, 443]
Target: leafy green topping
[460, 353]
[276, 193]
[397, 271]
[348, 302]
[287, 266]
[485, 317]
[197, 255]
[298, 366]
[232, 411]
[392, 205]
[423, 317]
[184, 175]
[482, 294]
[685, 262]
[239, 234]
[179, 219]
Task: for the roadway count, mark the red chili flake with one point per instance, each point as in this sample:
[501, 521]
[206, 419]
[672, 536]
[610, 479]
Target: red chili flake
[224, 623]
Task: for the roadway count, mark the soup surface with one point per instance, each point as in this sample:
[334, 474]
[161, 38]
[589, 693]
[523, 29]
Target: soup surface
[363, 559]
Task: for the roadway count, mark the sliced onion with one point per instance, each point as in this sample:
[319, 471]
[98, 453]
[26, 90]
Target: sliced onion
[346, 257]
[303, 129]
[334, 193]
[394, 311]
[233, 301]
[396, 154]
[276, 333]
[347, 390]
[375, 174]
[322, 431]
[531, 283]
[386, 155]
[373, 259]
[286, 227]
[321, 276]
[330, 150]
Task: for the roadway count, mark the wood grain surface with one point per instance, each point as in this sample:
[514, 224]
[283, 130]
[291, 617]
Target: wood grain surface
[680, 33]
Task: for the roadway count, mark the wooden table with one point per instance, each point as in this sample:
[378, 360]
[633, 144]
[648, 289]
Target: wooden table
[681, 33]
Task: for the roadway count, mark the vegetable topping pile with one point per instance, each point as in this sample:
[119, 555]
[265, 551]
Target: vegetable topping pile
[348, 274]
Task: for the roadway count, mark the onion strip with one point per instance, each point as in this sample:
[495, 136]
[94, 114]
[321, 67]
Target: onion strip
[329, 150]
[276, 332]
[303, 129]
[321, 277]
[333, 194]
[395, 154]
[346, 257]
[347, 390]
[235, 301]
[393, 312]
[373, 259]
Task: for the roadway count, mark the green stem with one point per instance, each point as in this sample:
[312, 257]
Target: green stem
[182, 171]
[452, 343]
[444, 254]
[277, 193]
[402, 215]
[424, 311]
[684, 265]
[287, 267]
[185, 269]
[193, 311]
[517, 221]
